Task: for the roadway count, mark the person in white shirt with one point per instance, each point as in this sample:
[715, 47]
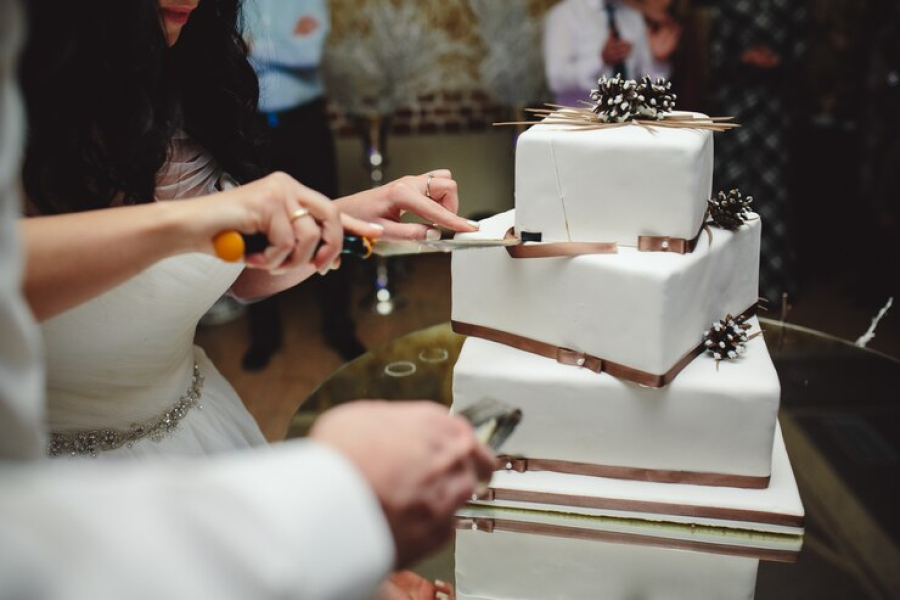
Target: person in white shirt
[584, 39]
[325, 518]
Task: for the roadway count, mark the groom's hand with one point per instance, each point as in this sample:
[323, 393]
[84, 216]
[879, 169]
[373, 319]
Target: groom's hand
[422, 463]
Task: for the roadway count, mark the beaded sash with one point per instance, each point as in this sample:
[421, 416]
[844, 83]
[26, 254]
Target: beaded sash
[80, 442]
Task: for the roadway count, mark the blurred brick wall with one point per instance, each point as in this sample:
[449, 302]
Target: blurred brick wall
[448, 111]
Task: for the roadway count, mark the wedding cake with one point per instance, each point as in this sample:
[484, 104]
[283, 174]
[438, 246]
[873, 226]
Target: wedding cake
[623, 327]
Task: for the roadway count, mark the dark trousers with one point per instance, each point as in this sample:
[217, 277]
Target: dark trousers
[301, 144]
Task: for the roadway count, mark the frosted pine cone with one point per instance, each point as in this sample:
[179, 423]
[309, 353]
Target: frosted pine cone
[617, 99]
[729, 211]
[657, 98]
[727, 339]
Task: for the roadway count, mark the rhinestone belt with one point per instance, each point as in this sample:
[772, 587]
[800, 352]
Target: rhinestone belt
[91, 441]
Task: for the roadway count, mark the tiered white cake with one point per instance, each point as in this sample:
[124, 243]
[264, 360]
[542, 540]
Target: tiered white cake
[623, 412]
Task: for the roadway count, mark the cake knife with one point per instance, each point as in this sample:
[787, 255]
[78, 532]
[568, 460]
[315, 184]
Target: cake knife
[232, 246]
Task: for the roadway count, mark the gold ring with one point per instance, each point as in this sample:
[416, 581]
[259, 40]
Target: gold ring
[299, 214]
[428, 185]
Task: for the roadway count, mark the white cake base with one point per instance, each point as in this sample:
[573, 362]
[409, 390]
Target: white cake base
[612, 185]
[520, 566]
[776, 509]
[711, 420]
[642, 310]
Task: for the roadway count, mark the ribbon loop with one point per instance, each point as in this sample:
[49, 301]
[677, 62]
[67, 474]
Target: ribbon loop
[567, 356]
[513, 463]
[475, 524]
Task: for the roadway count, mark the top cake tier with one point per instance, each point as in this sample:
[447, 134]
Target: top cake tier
[614, 184]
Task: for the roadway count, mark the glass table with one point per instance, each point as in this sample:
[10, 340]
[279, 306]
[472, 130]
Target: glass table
[840, 415]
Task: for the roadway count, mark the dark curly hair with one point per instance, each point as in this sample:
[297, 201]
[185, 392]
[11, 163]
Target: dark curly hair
[105, 95]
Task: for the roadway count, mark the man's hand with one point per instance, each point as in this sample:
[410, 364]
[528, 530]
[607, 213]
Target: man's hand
[406, 585]
[421, 462]
[306, 25]
[761, 57]
[615, 50]
[664, 40]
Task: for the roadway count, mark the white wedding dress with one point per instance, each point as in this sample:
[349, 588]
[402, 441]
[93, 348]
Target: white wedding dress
[123, 373]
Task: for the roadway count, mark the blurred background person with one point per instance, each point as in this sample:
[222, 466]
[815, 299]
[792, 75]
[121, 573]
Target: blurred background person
[584, 39]
[287, 41]
[755, 49]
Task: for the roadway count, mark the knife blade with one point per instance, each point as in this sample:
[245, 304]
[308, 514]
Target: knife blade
[232, 246]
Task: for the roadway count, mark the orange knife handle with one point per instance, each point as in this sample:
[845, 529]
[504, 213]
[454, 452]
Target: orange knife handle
[232, 246]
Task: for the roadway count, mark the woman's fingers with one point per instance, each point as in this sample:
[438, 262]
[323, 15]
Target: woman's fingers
[440, 186]
[427, 208]
[356, 226]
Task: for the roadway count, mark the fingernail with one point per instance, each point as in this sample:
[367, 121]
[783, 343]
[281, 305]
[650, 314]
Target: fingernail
[474, 224]
[441, 596]
[377, 226]
[432, 235]
[336, 263]
[324, 271]
[439, 583]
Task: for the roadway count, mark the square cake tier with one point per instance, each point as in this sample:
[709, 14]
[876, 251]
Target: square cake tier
[776, 509]
[612, 185]
[642, 310]
[575, 562]
[713, 425]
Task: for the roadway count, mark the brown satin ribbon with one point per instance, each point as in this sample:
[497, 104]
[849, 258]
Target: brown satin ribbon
[661, 243]
[523, 465]
[642, 506]
[558, 249]
[568, 356]
[489, 525]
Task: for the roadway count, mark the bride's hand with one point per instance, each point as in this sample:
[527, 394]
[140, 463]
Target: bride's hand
[305, 230]
[432, 196]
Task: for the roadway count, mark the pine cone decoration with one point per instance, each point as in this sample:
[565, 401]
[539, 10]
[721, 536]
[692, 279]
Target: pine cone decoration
[620, 100]
[727, 339]
[656, 98]
[729, 211]
[617, 99]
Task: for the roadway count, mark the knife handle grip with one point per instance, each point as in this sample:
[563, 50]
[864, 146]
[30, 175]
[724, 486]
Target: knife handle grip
[232, 246]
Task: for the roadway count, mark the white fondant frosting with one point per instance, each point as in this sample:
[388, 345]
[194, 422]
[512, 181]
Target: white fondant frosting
[749, 509]
[516, 566]
[612, 185]
[643, 310]
[710, 419]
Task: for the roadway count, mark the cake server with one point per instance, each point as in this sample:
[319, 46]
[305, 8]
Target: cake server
[233, 246]
[492, 420]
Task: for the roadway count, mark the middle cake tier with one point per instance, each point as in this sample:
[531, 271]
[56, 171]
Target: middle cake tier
[714, 425]
[643, 313]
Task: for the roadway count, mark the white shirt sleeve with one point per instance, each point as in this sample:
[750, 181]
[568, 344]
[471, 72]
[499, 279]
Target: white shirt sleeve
[291, 521]
[568, 67]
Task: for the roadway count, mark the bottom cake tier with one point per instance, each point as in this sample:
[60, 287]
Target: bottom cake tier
[775, 509]
[551, 535]
[513, 565]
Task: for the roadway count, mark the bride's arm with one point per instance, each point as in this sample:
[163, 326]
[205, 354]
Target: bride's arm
[73, 257]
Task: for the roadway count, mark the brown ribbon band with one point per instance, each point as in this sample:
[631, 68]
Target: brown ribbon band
[567, 356]
[558, 249]
[523, 465]
[489, 525]
[642, 506]
[661, 243]
[646, 243]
